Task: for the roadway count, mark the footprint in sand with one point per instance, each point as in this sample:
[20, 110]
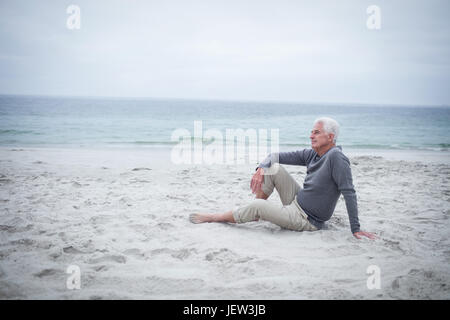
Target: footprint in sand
[24, 242]
[101, 268]
[225, 255]
[14, 229]
[5, 181]
[141, 169]
[46, 273]
[180, 254]
[134, 252]
[165, 225]
[109, 258]
[71, 250]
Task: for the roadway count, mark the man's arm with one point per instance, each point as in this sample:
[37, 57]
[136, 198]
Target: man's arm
[342, 175]
[298, 158]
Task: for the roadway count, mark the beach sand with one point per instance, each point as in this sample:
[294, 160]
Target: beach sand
[121, 216]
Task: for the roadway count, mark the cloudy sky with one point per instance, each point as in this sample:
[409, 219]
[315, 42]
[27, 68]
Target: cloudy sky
[305, 51]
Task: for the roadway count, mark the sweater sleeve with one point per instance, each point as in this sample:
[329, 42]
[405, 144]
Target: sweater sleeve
[298, 158]
[342, 176]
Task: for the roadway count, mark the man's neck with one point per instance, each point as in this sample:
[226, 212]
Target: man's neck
[321, 151]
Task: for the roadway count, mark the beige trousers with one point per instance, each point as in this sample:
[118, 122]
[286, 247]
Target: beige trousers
[289, 216]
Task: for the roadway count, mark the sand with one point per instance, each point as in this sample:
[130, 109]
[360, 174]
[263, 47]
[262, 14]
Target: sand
[121, 217]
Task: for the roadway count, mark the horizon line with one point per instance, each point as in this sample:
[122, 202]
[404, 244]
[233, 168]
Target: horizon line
[365, 104]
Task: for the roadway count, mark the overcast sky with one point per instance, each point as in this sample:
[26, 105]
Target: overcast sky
[305, 51]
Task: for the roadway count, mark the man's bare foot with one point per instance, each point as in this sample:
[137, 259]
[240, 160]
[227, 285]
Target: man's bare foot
[201, 217]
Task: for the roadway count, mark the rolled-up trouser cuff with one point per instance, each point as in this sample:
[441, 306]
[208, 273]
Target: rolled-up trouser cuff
[236, 215]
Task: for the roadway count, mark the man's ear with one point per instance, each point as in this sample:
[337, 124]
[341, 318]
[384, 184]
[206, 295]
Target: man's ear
[331, 136]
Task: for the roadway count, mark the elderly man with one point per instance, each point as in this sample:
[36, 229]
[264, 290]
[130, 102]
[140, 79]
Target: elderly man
[328, 176]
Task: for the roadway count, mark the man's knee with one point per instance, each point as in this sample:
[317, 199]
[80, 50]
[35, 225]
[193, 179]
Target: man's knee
[274, 169]
[259, 204]
[277, 174]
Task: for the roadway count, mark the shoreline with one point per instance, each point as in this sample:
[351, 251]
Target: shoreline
[161, 155]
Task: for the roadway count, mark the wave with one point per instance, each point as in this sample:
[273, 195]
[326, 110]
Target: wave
[431, 147]
[15, 132]
[143, 142]
[11, 136]
[434, 147]
[169, 142]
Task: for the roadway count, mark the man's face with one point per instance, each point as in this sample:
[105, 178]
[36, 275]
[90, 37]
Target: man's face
[319, 138]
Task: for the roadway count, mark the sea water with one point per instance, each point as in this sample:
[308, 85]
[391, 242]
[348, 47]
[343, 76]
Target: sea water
[39, 121]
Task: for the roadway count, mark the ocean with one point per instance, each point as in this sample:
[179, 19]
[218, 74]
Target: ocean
[39, 121]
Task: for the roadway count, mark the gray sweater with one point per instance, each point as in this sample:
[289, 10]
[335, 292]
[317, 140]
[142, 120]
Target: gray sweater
[327, 177]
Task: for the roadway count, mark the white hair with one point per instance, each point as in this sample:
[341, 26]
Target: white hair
[330, 126]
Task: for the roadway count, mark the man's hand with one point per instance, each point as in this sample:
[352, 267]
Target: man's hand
[365, 234]
[257, 180]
